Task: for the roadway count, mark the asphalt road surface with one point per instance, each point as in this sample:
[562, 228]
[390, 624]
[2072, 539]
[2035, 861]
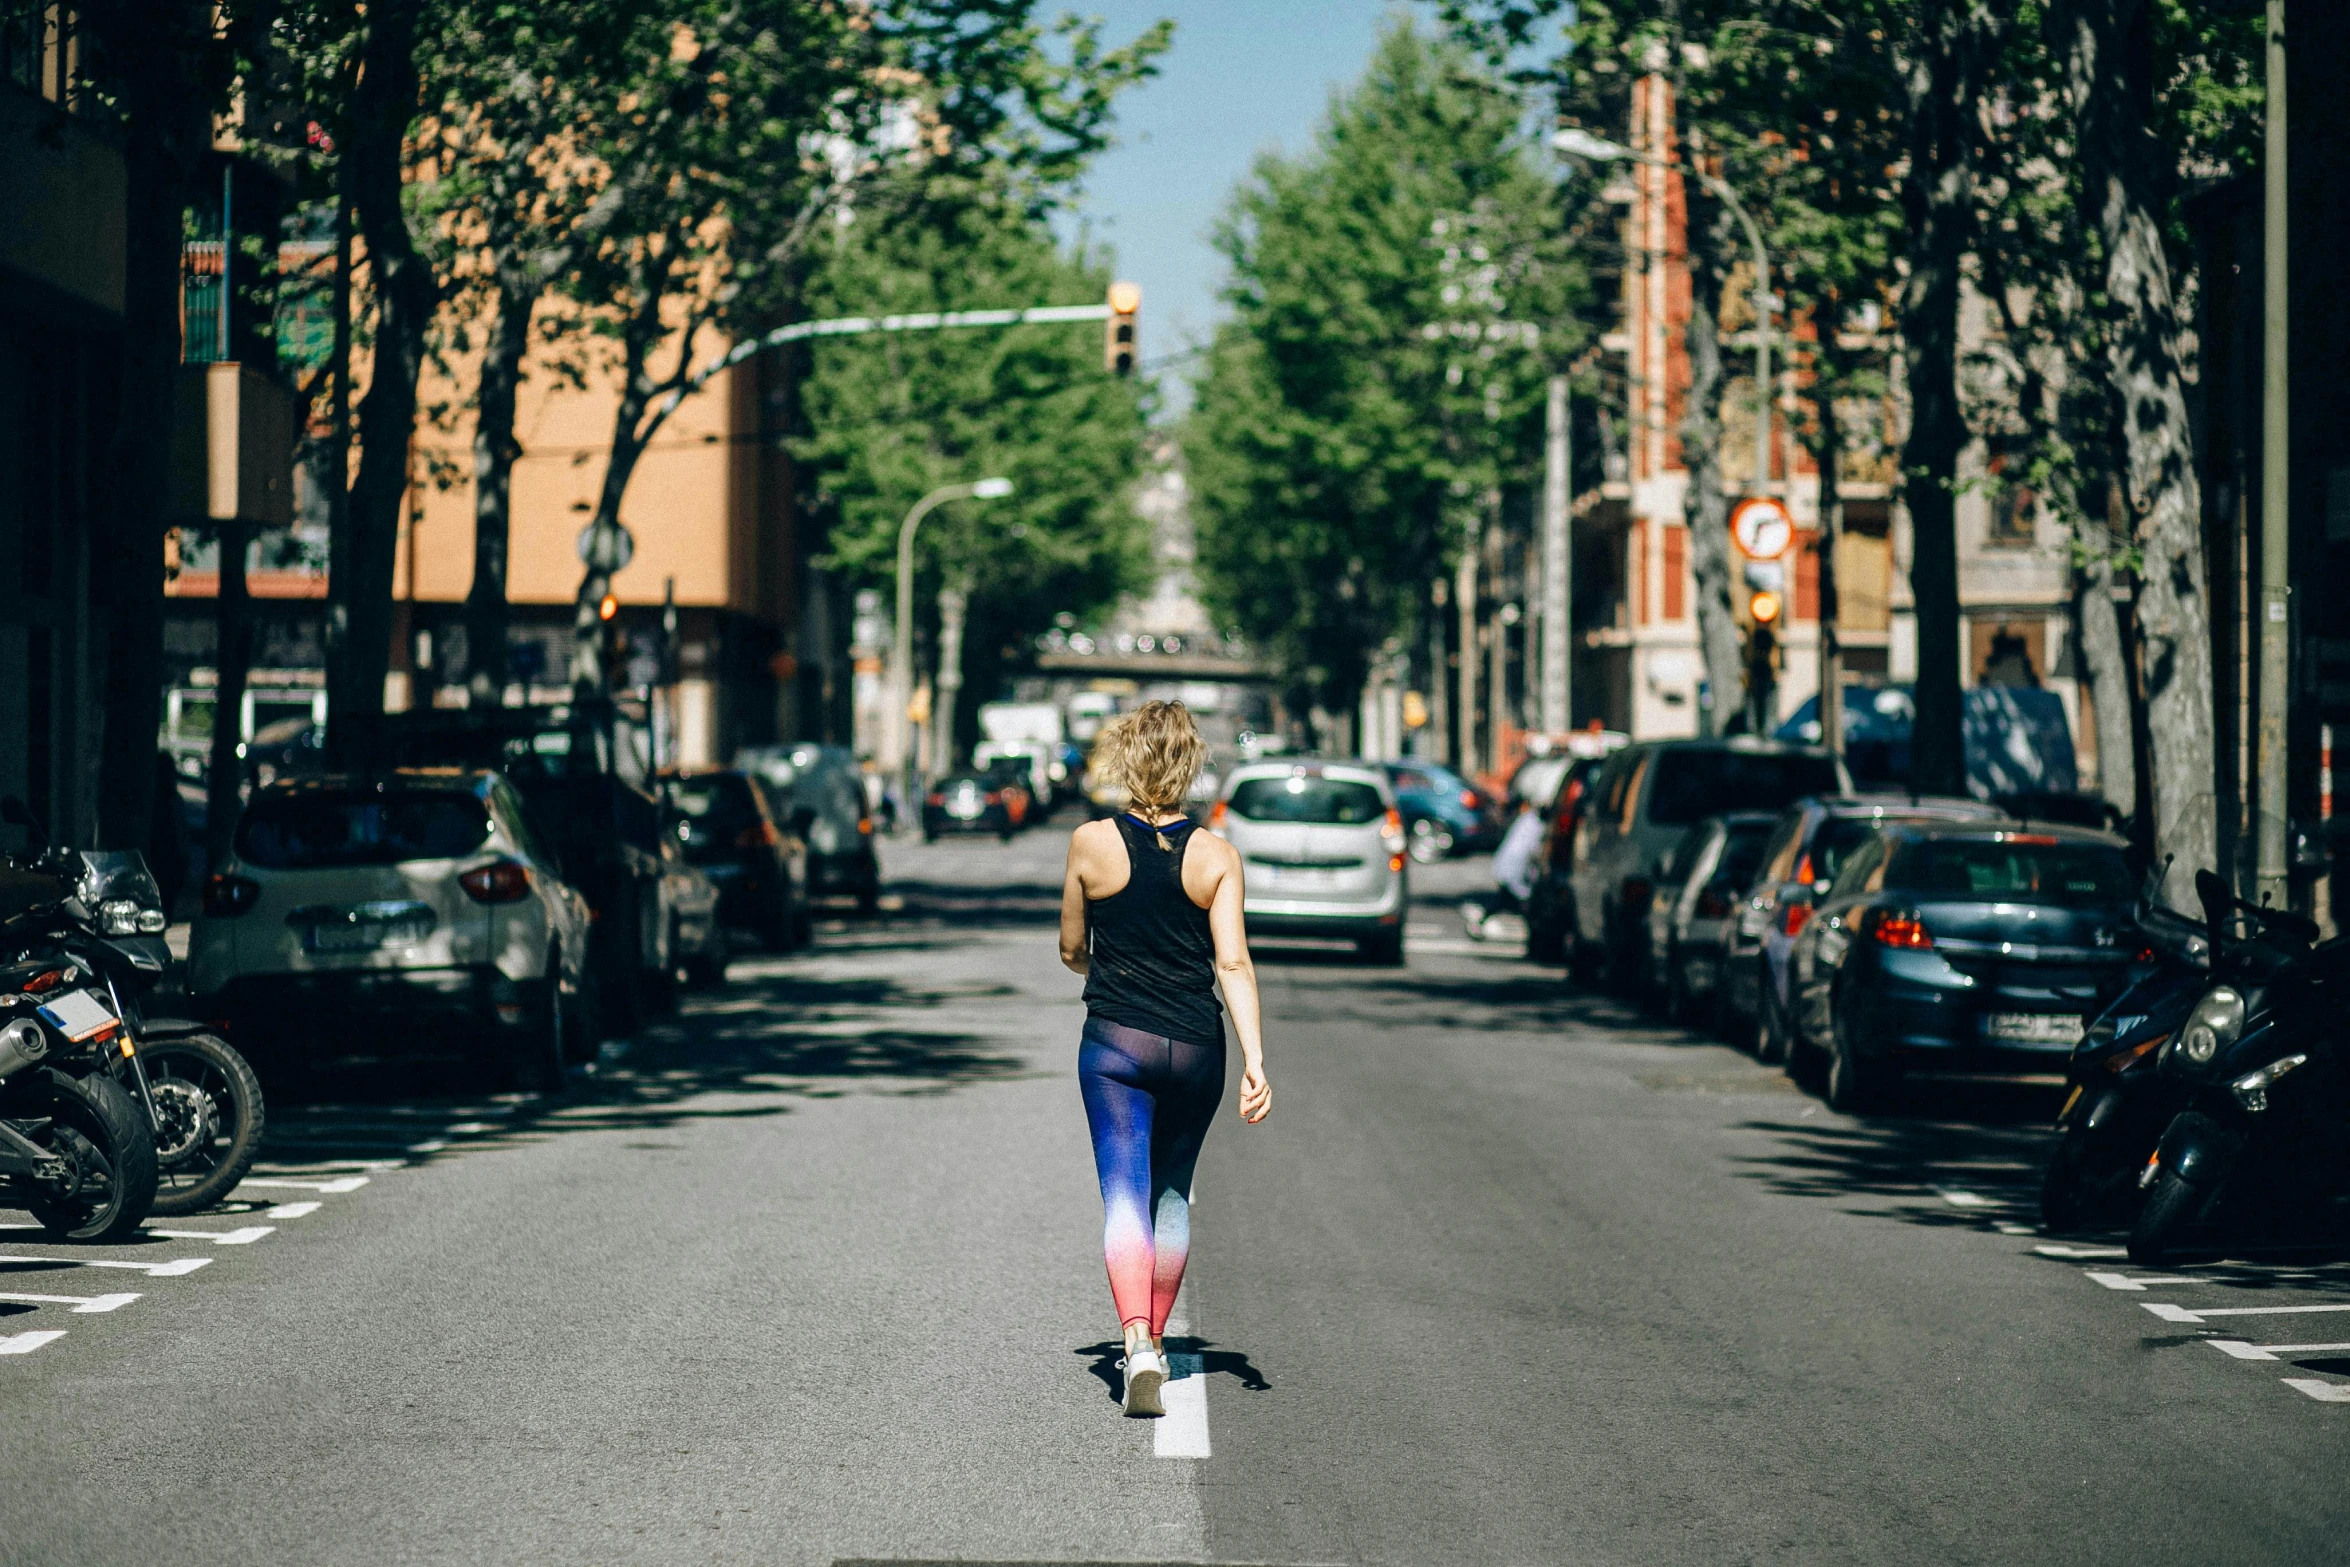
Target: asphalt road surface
[811, 1274]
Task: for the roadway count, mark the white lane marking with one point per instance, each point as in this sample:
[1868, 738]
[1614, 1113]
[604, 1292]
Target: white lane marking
[178, 1267]
[294, 1210]
[80, 1303]
[469, 1128]
[325, 1166]
[26, 1343]
[2122, 1281]
[429, 1145]
[241, 1237]
[347, 1183]
[2082, 1251]
[2170, 1313]
[1183, 1431]
[2323, 1392]
[2016, 1229]
[2243, 1351]
[1965, 1199]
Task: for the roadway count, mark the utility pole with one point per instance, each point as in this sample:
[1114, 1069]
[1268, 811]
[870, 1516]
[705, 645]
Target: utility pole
[901, 674]
[2276, 474]
[953, 600]
[1557, 550]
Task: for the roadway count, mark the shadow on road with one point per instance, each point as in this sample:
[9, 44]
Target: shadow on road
[1107, 1355]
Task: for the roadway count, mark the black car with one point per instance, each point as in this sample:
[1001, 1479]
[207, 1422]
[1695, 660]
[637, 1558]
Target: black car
[967, 802]
[819, 790]
[759, 865]
[1696, 901]
[1968, 950]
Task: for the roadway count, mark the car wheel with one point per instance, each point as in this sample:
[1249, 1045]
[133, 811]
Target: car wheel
[1773, 1044]
[1429, 842]
[1679, 1006]
[1855, 1085]
[536, 1052]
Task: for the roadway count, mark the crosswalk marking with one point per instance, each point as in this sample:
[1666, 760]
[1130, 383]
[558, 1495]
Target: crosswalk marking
[26, 1343]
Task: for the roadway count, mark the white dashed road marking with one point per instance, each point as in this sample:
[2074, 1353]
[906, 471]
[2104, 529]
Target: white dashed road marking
[345, 1183]
[26, 1343]
[177, 1267]
[80, 1303]
[1182, 1432]
[2323, 1392]
[2240, 1350]
[243, 1237]
[2170, 1313]
[294, 1210]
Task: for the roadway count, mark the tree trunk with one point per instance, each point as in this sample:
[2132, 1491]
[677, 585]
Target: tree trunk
[1830, 457]
[1943, 78]
[1703, 505]
[2106, 46]
[953, 601]
[494, 454]
[2109, 679]
[232, 658]
[164, 123]
[359, 622]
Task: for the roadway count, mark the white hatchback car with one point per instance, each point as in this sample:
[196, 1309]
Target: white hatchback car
[1322, 851]
[417, 911]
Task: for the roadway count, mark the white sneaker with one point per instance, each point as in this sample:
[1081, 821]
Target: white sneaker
[1146, 1372]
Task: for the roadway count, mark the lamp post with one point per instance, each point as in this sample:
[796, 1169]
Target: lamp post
[902, 654]
[1582, 144]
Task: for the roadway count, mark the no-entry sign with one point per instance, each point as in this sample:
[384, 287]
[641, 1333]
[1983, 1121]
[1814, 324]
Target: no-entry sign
[1762, 528]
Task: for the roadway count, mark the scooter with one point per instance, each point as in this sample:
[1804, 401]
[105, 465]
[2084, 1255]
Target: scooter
[199, 1096]
[2119, 1103]
[2260, 1064]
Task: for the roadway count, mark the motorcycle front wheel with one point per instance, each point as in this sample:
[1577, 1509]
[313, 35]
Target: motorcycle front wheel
[110, 1158]
[2166, 1223]
[209, 1105]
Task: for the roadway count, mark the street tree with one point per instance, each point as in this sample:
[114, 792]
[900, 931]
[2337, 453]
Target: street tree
[889, 417]
[1399, 294]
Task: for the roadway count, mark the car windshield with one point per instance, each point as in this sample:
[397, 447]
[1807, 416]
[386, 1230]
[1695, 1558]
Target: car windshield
[1299, 798]
[2015, 868]
[1697, 783]
[316, 829]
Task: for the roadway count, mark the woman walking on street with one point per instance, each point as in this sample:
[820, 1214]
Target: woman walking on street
[1151, 916]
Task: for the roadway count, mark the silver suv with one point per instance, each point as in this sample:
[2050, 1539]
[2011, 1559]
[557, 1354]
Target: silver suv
[1322, 851]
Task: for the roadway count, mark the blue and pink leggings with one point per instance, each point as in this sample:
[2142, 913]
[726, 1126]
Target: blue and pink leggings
[1148, 1100]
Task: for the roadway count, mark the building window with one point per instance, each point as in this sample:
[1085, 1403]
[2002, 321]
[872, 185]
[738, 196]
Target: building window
[2015, 505]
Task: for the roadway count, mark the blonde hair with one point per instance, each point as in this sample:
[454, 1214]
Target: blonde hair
[1153, 753]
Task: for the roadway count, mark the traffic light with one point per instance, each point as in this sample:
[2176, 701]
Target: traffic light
[1763, 608]
[1119, 343]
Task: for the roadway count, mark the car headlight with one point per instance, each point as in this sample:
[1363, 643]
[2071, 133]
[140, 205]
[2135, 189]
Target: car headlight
[2251, 1090]
[2214, 1024]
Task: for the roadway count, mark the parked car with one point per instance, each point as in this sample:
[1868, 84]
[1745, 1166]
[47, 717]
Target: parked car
[760, 866]
[1546, 903]
[1808, 847]
[1645, 798]
[821, 791]
[1322, 851]
[655, 915]
[409, 907]
[967, 802]
[1035, 761]
[1960, 950]
[1698, 890]
[1443, 813]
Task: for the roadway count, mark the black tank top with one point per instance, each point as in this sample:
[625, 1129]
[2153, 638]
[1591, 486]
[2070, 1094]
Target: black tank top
[1153, 964]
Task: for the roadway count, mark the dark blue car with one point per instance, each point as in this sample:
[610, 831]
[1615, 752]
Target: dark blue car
[1970, 950]
[1443, 813]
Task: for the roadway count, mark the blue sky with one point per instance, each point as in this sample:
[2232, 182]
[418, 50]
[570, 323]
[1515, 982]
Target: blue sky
[1244, 76]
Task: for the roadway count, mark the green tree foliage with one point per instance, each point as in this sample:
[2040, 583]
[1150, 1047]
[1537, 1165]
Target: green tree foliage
[1399, 294]
[893, 416]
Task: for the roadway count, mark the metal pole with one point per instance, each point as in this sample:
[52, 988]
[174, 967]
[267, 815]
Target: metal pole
[1464, 592]
[1557, 505]
[2275, 477]
[227, 247]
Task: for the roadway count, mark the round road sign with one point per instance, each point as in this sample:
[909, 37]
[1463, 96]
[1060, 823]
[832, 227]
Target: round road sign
[1762, 528]
[606, 549]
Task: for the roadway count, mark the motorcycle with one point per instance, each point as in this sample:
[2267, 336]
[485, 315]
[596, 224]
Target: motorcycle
[2260, 1065]
[200, 1099]
[2119, 1103]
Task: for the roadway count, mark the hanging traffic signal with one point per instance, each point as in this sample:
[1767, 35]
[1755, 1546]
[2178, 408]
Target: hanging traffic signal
[1763, 608]
[1119, 343]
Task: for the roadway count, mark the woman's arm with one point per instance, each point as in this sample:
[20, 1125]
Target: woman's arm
[1076, 952]
[1239, 976]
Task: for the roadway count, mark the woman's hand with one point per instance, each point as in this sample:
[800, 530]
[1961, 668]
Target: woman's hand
[1256, 1094]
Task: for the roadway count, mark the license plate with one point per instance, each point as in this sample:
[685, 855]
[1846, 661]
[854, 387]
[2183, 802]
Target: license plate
[365, 929]
[1299, 877]
[965, 809]
[2033, 1028]
[78, 1014]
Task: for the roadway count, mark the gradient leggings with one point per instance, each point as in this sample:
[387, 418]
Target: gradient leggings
[1148, 1100]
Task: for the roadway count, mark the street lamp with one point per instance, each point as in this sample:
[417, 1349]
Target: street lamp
[989, 489]
[1582, 144]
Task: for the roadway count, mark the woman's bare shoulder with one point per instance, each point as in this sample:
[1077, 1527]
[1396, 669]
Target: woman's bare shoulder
[1219, 854]
[1093, 838]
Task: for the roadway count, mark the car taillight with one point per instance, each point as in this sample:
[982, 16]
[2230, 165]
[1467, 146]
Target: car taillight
[865, 825]
[1469, 798]
[1899, 928]
[1217, 815]
[225, 897]
[1391, 831]
[993, 797]
[1395, 862]
[938, 799]
[759, 835]
[500, 881]
[1792, 914]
